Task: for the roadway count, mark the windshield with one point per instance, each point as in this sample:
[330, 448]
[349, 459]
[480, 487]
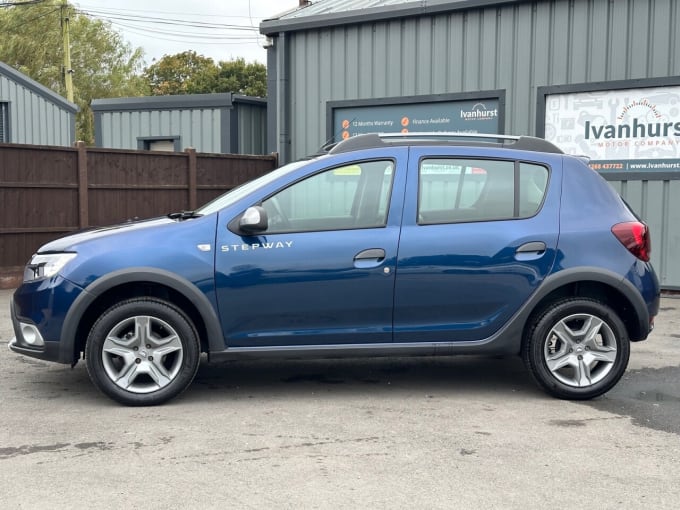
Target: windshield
[243, 190]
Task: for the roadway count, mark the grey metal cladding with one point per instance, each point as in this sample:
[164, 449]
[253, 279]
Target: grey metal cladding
[222, 100]
[206, 122]
[341, 12]
[465, 47]
[36, 115]
[37, 88]
[162, 102]
[120, 129]
[252, 129]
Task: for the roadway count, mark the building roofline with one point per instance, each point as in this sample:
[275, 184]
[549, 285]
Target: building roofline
[38, 88]
[406, 10]
[223, 100]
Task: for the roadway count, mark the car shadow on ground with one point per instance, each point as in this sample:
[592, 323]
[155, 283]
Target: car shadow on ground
[37, 380]
[462, 374]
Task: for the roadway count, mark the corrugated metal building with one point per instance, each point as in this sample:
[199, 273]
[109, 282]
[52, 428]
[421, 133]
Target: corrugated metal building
[33, 114]
[326, 57]
[217, 123]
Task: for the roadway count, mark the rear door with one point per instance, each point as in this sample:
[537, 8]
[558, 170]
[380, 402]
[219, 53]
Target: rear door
[478, 237]
[323, 272]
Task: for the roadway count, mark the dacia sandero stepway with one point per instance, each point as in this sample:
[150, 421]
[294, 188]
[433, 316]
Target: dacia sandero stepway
[381, 245]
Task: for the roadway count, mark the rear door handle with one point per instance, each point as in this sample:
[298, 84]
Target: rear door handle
[372, 257]
[534, 246]
[530, 251]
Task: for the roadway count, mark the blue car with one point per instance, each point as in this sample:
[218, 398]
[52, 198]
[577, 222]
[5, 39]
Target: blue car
[381, 245]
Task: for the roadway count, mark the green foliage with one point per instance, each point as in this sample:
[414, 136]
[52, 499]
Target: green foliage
[183, 73]
[103, 64]
[190, 73]
[242, 78]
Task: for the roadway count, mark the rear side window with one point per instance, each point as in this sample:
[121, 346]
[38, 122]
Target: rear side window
[458, 190]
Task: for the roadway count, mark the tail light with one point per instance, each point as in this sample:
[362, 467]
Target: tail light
[634, 235]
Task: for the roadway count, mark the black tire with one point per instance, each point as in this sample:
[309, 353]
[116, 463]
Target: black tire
[142, 352]
[577, 348]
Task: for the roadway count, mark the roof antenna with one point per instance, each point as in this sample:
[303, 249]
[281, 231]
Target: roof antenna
[330, 143]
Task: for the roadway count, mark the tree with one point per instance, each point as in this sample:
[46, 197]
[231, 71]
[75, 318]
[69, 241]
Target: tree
[190, 73]
[103, 64]
[182, 73]
[242, 78]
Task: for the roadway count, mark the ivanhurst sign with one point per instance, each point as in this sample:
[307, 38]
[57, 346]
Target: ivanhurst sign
[636, 130]
[474, 112]
[624, 129]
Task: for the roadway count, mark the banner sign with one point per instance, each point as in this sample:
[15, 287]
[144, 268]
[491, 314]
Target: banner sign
[627, 129]
[461, 116]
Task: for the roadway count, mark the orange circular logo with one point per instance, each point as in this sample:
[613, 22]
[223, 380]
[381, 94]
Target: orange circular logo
[404, 121]
[345, 124]
[404, 130]
[345, 135]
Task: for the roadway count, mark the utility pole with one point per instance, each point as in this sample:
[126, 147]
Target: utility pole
[68, 72]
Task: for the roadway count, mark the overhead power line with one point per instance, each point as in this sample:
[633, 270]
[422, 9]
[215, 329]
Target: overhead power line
[190, 35]
[166, 28]
[165, 21]
[183, 14]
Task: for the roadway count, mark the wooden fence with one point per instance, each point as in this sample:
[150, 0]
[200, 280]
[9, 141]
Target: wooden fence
[47, 192]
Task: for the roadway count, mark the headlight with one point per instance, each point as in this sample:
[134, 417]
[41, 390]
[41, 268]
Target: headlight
[46, 265]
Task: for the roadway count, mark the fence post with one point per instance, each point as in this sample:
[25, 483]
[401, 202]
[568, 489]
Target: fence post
[83, 205]
[192, 171]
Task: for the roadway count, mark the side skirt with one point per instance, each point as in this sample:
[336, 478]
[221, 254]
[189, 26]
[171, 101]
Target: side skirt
[367, 350]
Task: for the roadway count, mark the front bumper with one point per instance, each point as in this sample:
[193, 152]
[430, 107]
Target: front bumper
[32, 347]
[38, 311]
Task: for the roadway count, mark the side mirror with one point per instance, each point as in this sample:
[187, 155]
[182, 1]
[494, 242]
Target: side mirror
[253, 220]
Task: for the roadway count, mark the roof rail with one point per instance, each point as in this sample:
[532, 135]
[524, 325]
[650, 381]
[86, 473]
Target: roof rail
[445, 135]
[375, 140]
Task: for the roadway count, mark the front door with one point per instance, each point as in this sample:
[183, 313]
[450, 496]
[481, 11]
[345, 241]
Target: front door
[323, 271]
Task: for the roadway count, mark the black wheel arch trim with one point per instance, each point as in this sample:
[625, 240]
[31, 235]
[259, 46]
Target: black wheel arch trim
[594, 274]
[133, 275]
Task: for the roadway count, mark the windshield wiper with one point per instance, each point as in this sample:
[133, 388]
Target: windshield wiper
[184, 215]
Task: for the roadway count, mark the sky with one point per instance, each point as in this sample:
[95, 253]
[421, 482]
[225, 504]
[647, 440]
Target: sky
[221, 29]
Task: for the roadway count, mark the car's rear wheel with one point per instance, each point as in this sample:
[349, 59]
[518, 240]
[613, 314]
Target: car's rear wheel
[142, 352]
[578, 348]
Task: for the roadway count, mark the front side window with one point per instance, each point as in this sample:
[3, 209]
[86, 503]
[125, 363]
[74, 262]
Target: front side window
[458, 190]
[346, 197]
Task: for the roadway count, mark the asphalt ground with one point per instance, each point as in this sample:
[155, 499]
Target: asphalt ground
[463, 432]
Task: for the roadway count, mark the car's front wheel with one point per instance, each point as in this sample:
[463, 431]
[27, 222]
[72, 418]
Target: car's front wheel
[143, 351]
[578, 348]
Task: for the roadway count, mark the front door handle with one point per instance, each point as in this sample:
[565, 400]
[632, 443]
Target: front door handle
[373, 253]
[372, 257]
